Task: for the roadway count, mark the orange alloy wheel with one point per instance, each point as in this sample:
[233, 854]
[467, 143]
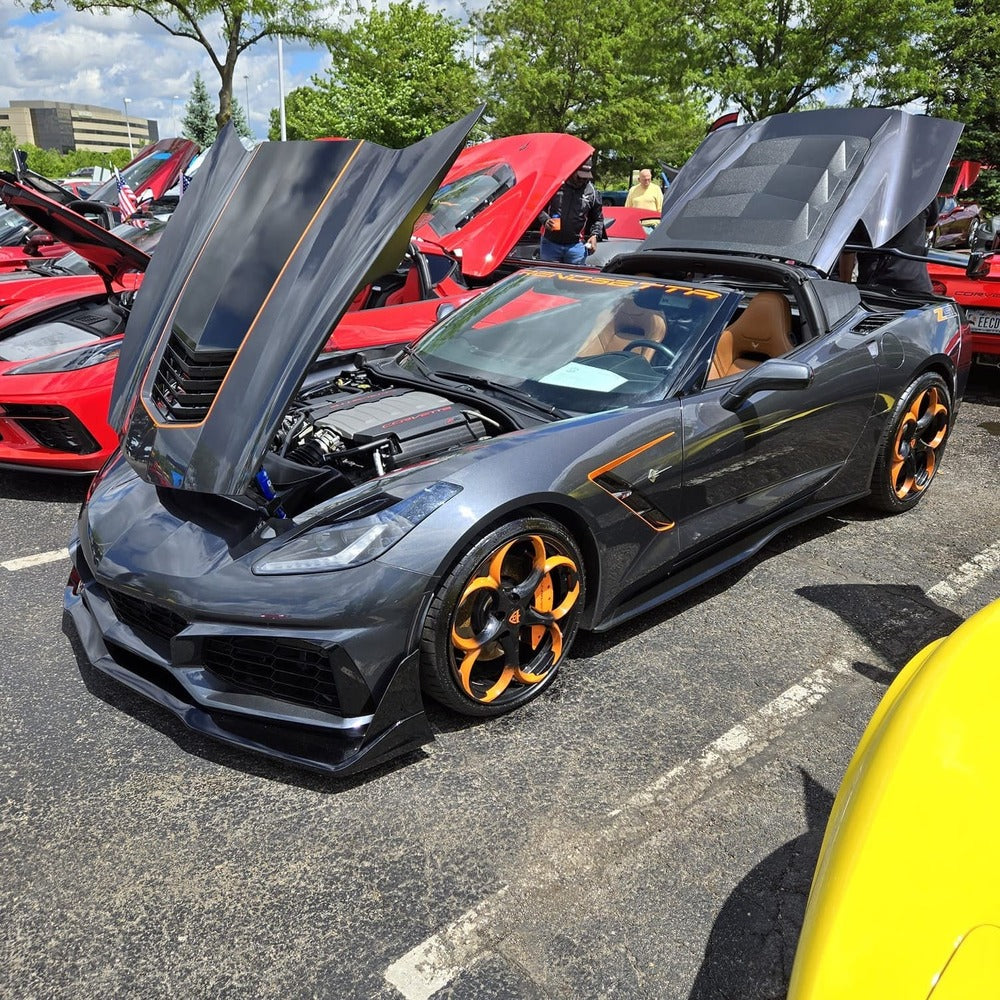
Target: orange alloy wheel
[504, 618]
[506, 628]
[921, 433]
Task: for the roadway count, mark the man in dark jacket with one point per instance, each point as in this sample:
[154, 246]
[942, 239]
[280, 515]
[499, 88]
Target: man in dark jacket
[898, 273]
[572, 223]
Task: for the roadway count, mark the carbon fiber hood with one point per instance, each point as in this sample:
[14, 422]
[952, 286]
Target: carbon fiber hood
[259, 262]
[795, 186]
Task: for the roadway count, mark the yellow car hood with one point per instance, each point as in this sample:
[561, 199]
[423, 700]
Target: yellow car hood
[905, 902]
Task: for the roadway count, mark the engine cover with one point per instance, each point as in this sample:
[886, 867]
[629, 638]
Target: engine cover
[405, 425]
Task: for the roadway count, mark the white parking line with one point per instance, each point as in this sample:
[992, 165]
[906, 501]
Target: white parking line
[433, 963]
[38, 559]
[980, 566]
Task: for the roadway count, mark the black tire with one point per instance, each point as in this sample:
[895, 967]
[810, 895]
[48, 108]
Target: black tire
[503, 619]
[912, 446]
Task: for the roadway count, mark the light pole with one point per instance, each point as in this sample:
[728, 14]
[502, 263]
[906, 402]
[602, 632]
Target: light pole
[246, 83]
[281, 92]
[173, 114]
[131, 151]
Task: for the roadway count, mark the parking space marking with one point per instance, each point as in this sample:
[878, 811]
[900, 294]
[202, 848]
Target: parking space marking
[435, 962]
[429, 967]
[38, 559]
[970, 573]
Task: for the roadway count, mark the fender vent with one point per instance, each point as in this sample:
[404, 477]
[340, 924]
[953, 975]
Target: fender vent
[187, 381]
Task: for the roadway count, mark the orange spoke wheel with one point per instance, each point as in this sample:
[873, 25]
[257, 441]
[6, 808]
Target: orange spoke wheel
[502, 622]
[912, 451]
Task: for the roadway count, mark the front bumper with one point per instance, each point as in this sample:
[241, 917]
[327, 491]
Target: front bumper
[289, 693]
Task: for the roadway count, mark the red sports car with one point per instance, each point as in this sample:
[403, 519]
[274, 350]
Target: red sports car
[154, 171]
[479, 227]
[979, 295]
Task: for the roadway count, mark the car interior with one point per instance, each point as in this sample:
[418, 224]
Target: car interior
[762, 331]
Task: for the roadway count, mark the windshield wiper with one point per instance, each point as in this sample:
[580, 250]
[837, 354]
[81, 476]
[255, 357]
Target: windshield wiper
[409, 352]
[481, 382]
[50, 267]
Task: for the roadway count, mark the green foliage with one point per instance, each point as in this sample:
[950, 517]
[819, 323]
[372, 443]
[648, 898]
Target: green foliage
[772, 56]
[616, 73]
[396, 75]
[239, 120]
[52, 163]
[237, 24]
[198, 122]
[7, 146]
[969, 51]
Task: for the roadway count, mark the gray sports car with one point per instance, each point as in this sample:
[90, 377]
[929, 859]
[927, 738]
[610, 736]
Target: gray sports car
[289, 554]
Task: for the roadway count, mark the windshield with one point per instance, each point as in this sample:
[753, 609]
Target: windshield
[13, 227]
[455, 204]
[145, 237]
[579, 342]
[135, 176]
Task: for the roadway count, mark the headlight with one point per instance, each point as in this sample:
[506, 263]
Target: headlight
[67, 361]
[351, 543]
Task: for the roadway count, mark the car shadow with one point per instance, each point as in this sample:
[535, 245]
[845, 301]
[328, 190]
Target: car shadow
[983, 386]
[41, 486]
[122, 699]
[751, 946]
[894, 621]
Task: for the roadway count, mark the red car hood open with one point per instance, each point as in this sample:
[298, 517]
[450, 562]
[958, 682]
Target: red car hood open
[110, 256]
[493, 194]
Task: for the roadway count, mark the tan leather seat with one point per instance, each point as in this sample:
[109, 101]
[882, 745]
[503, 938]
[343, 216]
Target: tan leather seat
[763, 331]
[629, 322]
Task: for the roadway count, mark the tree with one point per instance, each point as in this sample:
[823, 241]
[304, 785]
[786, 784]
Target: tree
[969, 51]
[243, 24]
[198, 122]
[395, 76]
[240, 122]
[772, 56]
[607, 71]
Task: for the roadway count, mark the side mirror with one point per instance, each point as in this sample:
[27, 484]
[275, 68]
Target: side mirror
[978, 265]
[774, 374]
[39, 239]
[445, 309]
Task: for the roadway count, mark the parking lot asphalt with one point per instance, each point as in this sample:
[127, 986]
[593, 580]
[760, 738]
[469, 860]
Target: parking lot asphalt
[647, 829]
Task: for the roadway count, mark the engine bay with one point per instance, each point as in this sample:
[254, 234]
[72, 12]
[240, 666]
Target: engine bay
[347, 430]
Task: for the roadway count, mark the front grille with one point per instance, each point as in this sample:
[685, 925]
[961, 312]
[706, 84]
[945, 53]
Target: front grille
[187, 381]
[144, 616]
[294, 670]
[52, 427]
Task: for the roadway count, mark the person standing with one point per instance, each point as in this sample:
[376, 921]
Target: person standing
[899, 273]
[573, 222]
[645, 194]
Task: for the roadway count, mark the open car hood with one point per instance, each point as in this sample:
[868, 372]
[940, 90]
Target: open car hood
[109, 256]
[261, 259]
[799, 186]
[493, 194]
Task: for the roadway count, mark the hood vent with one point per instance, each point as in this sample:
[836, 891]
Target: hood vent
[188, 381]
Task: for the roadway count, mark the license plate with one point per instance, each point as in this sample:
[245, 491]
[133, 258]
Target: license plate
[984, 320]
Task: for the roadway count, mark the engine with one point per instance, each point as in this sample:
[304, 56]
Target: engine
[368, 434]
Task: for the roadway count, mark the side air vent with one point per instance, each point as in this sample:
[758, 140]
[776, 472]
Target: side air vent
[187, 381]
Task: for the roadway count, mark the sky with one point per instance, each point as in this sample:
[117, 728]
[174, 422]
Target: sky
[102, 59]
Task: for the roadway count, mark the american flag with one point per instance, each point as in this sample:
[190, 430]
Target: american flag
[126, 198]
[185, 180]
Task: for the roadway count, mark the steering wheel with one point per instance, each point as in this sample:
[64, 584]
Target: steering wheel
[654, 344]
